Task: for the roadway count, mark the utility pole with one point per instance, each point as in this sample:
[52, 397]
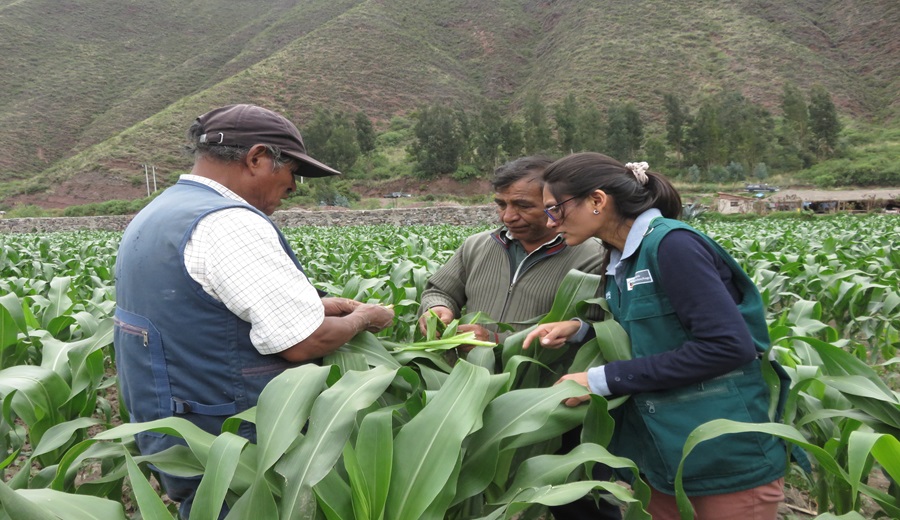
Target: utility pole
[154, 178]
[147, 178]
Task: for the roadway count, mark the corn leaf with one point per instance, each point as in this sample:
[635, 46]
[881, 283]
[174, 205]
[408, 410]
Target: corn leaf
[330, 424]
[511, 414]
[17, 507]
[431, 442]
[374, 455]
[74, 507]
[224, 455]
[283, 409]
[60, 434]
[148, 502]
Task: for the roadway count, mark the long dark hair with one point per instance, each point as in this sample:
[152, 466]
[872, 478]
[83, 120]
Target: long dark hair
[579, 174]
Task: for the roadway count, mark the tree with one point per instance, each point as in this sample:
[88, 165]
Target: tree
[512, 138]
[489, 137]
[365, 133]
[566, 116]
[823, 121]
[624, 132]
[676, 120]
[341, 150]
[438, 143]
[655, 153]
[704, 136]
[747, 129]
[735, 171]
[537, 132]
[317, 131]
[759, 138]
[333, 138]
[795, 112]
[718, 173]
[591, 134]
[693, 173]
[465, 127]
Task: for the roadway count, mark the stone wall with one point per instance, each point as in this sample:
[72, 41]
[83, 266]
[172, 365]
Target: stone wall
[454, 215]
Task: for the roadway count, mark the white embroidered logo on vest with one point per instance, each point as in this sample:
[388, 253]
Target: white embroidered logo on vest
[642, 276]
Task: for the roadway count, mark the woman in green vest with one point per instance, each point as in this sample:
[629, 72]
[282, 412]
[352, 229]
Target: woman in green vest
[698, 334]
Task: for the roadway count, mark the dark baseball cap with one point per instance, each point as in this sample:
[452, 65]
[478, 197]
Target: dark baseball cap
[248, 125]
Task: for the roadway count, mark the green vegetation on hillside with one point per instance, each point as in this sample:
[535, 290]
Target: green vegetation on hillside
[104, 86]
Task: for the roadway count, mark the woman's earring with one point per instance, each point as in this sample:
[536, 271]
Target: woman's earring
[596, 212]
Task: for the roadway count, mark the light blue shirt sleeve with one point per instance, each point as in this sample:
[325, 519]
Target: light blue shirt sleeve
[597, 381]
[578, 337]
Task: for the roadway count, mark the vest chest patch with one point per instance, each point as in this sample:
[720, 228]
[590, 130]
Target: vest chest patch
[641, 277]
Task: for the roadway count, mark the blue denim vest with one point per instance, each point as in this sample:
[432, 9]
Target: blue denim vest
[178, 350]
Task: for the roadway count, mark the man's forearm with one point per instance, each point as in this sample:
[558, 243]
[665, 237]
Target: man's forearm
[330, 336]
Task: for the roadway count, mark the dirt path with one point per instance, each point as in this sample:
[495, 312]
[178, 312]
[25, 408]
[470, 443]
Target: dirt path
[824, 195]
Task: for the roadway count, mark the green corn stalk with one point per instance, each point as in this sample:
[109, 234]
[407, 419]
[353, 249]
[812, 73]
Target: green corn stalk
[834, 281]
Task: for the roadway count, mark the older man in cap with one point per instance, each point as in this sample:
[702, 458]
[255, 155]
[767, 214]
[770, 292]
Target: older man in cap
[212, 304]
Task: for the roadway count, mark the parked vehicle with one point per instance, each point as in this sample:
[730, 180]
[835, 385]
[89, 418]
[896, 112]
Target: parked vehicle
[761, 187]
[397, 195]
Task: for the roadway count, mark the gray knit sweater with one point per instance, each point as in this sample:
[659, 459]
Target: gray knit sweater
[478, 278]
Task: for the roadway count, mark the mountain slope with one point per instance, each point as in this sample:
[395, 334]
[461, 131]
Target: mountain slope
[77, 72]
[104, 86]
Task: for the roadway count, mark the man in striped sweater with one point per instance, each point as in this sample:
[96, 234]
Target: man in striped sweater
[511, 275]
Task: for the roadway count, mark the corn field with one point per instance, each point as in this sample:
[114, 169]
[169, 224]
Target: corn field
[392, 427]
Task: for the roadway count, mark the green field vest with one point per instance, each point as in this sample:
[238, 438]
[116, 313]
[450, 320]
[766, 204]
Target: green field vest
[652, 427]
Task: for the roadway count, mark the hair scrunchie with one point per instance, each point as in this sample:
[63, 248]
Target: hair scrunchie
[639, 170]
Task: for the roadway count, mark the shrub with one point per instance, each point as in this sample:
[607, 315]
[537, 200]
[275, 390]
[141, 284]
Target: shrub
[693, 173]
[367, 204]
[400, 123]
[718, 173]
[390, 138]
[26, 211]
[465, 173]
[880, 170]
[761, 171]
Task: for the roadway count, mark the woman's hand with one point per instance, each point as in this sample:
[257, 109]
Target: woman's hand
[582, 379]
[552, 335]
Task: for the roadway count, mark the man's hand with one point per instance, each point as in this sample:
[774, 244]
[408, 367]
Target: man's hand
[378, 317]
[582, 379]
[443, 313]
[552, 335]
[339, 306]
[481, 334]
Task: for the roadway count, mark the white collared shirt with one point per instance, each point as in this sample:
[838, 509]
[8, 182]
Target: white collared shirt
[633, 240]
[236, 256]
[597, 375]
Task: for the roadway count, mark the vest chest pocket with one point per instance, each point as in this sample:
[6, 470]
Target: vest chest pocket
[652, 325]
[648, 306]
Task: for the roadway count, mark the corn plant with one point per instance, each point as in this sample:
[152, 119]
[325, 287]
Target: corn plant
[831, 291]
[55, 324]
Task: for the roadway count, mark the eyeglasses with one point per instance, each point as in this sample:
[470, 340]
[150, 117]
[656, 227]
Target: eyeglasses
[555, 211]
